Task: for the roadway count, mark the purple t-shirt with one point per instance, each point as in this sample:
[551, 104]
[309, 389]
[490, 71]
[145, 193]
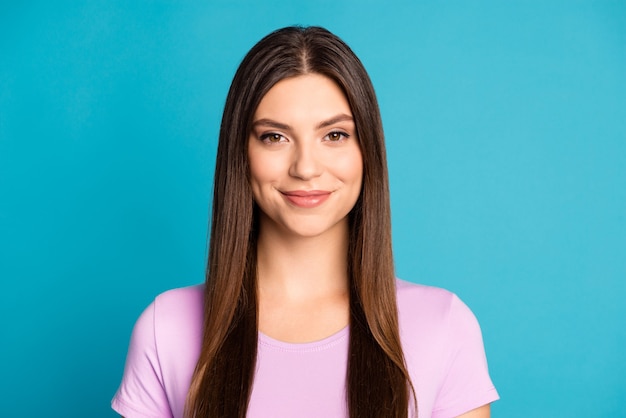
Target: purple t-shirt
[441, 340]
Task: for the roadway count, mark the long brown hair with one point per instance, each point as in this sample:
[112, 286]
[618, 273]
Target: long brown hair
[378, 383]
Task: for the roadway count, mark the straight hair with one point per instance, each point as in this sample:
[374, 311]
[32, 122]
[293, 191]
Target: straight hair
[378, 383]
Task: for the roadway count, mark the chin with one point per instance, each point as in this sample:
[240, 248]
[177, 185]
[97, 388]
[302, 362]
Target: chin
[305, 229]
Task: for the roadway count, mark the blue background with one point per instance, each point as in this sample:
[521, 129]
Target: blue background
[506, 131]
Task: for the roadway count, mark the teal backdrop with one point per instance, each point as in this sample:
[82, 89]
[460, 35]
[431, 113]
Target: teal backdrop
[506, 132]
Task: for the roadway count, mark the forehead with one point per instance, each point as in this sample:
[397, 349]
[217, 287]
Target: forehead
[304, 97]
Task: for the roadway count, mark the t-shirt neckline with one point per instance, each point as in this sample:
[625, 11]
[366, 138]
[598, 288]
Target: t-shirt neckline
[318, 345]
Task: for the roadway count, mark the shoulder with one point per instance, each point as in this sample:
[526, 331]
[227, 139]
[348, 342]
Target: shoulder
[406, 288]
[416, 299]
[174, 313]
[443, 348]
[163, 351]
[432, 313]
[181, 302]
[178, 315]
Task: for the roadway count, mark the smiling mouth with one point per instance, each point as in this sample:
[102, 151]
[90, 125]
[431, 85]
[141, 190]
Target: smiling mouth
[306, 198]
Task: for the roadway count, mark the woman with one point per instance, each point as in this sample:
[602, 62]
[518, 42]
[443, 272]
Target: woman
[301, 314]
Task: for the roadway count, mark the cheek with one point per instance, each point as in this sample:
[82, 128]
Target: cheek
[358, 167]
[256, 164]
[350, 168]
[255, 171]
[263, 168]
[257, 181]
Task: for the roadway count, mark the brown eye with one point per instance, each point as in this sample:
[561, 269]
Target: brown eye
[336, 136]
[272, 138]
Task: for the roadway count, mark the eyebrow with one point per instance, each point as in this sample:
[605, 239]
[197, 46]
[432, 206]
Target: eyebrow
[342, 117]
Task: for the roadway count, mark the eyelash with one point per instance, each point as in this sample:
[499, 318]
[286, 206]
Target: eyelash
[340, 134]
[266, 138]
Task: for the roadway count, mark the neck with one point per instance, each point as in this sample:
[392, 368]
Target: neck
[303, 267]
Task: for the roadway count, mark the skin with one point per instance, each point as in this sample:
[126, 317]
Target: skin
[481, 412]
[304, 139]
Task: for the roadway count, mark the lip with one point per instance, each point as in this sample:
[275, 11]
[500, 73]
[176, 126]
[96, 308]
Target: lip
[306, 198]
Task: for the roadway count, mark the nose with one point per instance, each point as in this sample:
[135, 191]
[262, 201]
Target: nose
[306, 163]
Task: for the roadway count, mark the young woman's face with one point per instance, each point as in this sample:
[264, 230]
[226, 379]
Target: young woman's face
[306, 166]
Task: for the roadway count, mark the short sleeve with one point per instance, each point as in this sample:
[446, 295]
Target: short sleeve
[141, 393]
[466, 383]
